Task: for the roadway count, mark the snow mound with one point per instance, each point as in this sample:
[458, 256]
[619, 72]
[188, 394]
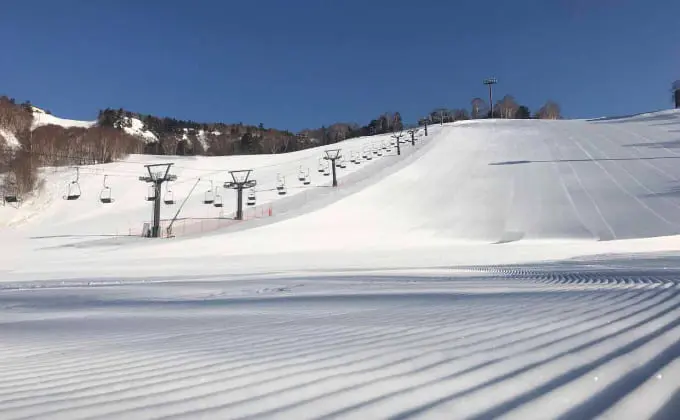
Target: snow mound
[41, 118]
[135, 127]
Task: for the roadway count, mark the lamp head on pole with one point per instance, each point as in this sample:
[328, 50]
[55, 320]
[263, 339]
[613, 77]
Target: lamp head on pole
[490, 81]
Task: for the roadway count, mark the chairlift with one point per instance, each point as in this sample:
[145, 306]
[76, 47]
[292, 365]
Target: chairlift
[209, 196]
[322, 164]
[105, 194]
[151, 193]
[169, 195]
[10, 194]
[380, 152]
[281, 184]
[251, 197]
[327, 172]
[73, 192]
[342, 163]
[302, 174]
[218, 201]
[308, 179]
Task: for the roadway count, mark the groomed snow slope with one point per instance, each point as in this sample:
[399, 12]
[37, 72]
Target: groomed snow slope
[47, 213]
[559, 182]
[418, 289]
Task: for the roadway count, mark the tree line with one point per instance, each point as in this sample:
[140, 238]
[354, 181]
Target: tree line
[52, 145]
[506, 108]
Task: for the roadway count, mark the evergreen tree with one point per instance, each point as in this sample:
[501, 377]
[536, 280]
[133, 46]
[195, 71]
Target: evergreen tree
[523, 113]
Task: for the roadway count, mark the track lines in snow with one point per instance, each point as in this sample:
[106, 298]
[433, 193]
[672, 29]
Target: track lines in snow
[535, 341]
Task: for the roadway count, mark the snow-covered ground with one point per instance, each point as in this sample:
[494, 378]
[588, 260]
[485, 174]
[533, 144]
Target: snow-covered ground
[41, 118]
[519, 269]
[9, 139]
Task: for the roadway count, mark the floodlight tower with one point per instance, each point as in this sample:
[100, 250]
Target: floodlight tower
[490, 82]
[398, 137]
[157, 176]
[240, 181]
[333, 155]
[412, 132]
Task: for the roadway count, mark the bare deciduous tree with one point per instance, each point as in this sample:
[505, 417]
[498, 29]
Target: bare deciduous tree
[479, 108]
[507, 107]
[549, 111]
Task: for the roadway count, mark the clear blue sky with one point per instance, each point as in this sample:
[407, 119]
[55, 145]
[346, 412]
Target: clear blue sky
[304, 63]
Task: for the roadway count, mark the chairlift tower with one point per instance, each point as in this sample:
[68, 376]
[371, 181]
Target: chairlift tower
[398, 138]
[490, 82]
[412, 132]
[157, 176]
[240, 182]
[333, 155]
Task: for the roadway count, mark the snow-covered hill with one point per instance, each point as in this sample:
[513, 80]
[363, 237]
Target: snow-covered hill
[514, 269]
[135, 127]
[41, 118]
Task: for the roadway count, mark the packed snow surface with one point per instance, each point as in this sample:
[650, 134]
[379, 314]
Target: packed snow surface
[515, 269]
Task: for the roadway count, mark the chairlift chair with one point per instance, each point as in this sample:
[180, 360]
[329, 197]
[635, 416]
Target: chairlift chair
[217, 202]
[322, 164]
[151, 193]
[105, 194]
[281, 184]
[308, 179]
[327, 172]
[10, 194]
[209, 196]
[169, 196]
[302, 174]
[73, 192]
[251, 197]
